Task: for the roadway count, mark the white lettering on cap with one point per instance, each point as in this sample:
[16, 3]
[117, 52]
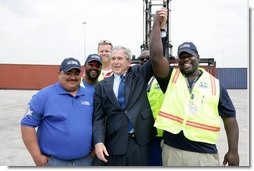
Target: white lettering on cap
[72, 62]
[97, 57]
[184, 45]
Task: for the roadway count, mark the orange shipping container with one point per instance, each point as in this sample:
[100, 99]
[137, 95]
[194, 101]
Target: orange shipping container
[26, 76]
[36, 77]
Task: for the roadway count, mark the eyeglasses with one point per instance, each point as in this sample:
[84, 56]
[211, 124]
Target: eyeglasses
[94, 64]
[105, 42]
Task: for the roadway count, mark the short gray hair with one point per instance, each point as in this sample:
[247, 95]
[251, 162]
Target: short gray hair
[126, 51]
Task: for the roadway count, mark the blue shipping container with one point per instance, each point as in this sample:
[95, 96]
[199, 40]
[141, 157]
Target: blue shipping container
[233, 78]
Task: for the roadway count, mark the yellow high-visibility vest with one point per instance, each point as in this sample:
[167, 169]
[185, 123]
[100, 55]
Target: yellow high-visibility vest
[196, 112]
[155, 97]
[81, 83]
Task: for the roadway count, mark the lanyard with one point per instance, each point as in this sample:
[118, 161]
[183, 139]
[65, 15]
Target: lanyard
[191, 83]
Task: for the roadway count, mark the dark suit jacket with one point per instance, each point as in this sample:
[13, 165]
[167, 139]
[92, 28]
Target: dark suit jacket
[110, 121]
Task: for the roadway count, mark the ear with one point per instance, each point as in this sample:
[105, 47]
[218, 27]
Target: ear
[129, 62]
[59, 74]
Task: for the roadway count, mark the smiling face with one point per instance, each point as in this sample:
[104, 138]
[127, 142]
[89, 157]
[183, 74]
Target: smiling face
[103, 51]
[70, 80]
[120, 62]
[93, 70]
[188, 63]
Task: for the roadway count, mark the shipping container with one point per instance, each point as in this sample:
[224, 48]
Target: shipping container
[35, 77]
[233, 78]
[26, 76]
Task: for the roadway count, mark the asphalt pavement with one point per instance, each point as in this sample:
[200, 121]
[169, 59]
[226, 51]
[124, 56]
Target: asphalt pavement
[13, 104]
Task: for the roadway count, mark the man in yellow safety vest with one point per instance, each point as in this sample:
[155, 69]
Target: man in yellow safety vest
[190, 114]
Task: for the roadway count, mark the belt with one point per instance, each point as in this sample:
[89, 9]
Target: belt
[131, 135]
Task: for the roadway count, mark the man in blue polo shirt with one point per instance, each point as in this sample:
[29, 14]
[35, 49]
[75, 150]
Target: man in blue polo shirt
[93, 68]
[63, 114]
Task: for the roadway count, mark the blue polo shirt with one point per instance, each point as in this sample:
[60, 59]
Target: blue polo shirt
[89, 87]
[64, 121]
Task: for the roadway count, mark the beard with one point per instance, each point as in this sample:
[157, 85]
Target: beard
[92, 76]
[189, 71]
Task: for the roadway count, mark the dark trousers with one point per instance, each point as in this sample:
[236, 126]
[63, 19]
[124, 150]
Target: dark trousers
[136, 156]
[155, 151]
[97, 162]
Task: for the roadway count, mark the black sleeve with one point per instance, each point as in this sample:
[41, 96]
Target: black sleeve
[147, 70]
[225, 107]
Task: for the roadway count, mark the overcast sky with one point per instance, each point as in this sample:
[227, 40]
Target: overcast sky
[47, 31]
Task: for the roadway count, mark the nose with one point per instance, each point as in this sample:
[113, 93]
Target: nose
[104, 52]
[73, 76]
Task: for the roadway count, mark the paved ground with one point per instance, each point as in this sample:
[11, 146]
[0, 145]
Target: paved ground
[14, 102]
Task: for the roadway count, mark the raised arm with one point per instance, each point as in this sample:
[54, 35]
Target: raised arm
[159, 63]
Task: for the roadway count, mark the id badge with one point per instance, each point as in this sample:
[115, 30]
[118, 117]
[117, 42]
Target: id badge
[193, 109]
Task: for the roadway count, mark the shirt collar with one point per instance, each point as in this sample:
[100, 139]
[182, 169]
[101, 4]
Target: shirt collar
[61, 90]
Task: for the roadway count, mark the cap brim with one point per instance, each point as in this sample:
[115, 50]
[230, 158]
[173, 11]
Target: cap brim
[94, 60]
[188, 51]
[66, 70]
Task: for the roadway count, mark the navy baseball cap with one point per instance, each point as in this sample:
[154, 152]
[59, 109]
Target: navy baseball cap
[93, 57]
[188, 47]
[69, 63]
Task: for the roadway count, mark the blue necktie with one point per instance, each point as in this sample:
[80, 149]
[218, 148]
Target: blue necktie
[121, 97]
[121, 93]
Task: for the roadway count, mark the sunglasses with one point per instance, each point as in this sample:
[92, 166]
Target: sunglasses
[144, 58]
[94, 64]
[105, 42]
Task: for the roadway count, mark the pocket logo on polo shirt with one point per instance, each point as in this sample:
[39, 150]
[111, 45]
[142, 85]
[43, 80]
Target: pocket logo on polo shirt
[87, 103]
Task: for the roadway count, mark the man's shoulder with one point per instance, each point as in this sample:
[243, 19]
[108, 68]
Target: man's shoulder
[104, 81]
[138, 69]
[49, 90]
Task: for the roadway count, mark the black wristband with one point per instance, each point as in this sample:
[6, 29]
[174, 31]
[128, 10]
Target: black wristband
[163, 30]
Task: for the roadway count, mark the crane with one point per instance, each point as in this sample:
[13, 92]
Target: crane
[149, 9]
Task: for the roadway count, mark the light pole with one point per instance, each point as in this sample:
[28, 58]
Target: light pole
[84, 39]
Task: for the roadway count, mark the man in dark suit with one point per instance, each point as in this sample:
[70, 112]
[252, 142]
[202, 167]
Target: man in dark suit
[121, 133]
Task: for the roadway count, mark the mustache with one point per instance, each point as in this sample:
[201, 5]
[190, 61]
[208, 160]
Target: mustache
[72, 79]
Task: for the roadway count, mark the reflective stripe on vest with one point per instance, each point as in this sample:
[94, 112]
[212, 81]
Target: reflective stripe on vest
[172, 117]
[203, 126]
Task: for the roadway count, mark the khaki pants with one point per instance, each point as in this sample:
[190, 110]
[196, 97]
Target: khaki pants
[175, 157]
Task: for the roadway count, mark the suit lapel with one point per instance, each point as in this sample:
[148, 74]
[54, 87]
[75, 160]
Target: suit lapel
[129, 87]
[109, 90]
